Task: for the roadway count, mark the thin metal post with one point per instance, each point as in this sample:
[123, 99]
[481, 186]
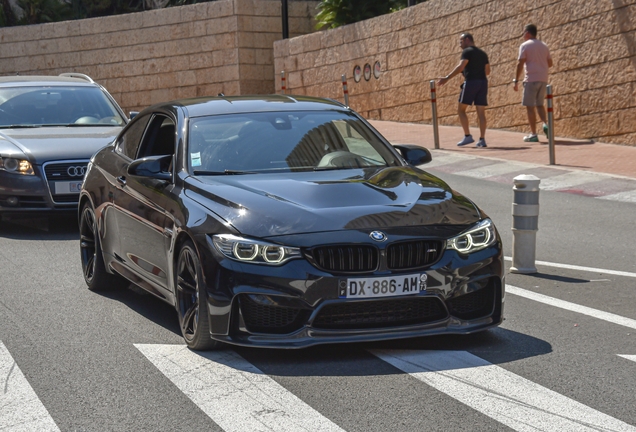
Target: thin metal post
[344, 90]
[283, 85]
[550, 124]
[434, 111]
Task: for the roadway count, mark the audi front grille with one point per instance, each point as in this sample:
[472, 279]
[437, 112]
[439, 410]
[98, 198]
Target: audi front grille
[66, 171]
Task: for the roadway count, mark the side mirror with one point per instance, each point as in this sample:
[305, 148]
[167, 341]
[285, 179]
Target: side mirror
[156, 167]
[133, 114]
[414, 154]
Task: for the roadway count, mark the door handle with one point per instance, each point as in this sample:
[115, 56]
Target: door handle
[121, 180]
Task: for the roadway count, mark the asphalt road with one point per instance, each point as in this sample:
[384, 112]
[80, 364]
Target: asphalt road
[73, 360]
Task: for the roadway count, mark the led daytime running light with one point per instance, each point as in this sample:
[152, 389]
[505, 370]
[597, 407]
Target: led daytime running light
[480, 237]
[253, 251]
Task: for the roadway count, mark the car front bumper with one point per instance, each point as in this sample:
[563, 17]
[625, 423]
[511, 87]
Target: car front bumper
[26, 194]
[296, 305]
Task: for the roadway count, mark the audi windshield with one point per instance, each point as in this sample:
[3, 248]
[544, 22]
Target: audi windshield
[24, 107]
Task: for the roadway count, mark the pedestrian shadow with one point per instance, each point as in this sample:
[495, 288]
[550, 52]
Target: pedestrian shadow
[511, 148]
[515, 148]
[571, 143]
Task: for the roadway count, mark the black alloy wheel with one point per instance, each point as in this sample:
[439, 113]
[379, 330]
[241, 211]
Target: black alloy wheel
[95, 274]
[192, 301]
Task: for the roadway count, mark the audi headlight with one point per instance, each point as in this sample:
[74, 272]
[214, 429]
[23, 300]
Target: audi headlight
[253, 251]
[18, 166]
[479, 237]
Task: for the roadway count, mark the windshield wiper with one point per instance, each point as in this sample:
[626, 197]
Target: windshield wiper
[226, 172]
[20, 126]
[330, 168]
[81, 125]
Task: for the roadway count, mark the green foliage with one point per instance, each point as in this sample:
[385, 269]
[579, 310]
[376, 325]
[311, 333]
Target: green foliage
[42, 11]
[336, 13]
[97, 8]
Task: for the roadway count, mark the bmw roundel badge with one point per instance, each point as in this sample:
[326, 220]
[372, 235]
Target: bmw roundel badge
[378, 236]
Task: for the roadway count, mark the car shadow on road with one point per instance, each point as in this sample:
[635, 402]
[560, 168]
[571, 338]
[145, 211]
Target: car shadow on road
[40, 228]
[496, 346]
[146, 305]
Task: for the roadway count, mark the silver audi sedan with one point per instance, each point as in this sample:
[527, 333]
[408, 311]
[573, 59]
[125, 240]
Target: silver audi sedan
[50, 126]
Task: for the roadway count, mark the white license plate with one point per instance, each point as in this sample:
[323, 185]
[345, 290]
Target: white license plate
[68, 187]
[382, 286]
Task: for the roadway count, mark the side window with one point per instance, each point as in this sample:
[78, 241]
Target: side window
[128, 142]
[160, 137]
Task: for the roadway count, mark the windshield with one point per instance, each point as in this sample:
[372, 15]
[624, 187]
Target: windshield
[57, 106]
[283, 141]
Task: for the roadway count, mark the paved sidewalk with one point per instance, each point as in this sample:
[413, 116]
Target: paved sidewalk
[604, 171]
[570, 154]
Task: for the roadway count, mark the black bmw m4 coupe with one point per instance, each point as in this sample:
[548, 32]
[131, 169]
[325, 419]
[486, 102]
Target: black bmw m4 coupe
[286, 221]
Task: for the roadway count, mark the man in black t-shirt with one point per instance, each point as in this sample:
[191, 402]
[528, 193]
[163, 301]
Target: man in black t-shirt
[475, 67]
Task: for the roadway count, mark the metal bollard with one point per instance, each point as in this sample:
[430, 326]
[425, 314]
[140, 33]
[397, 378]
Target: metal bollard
[550, 123]
[525, 223]
[434, 111]
[344, 90]
[283, 87]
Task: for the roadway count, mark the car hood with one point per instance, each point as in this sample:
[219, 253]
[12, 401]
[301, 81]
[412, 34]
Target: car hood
[44, 144]
[270, 205]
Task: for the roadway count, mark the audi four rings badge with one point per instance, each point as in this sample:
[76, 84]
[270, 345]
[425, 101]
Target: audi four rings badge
[76, 171]
[378, 236]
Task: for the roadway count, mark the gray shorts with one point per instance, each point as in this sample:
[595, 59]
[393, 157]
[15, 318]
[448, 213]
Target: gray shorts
[533, 93]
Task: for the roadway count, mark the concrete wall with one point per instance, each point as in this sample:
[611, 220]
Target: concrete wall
[593, 44]
[148, 57]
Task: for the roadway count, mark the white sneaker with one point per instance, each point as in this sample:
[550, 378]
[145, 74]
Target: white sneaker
[467, 140]
[531, 138]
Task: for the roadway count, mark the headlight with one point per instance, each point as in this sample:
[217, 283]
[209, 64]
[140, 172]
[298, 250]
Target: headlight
[253, 251]
[476, 238]
[18, 166]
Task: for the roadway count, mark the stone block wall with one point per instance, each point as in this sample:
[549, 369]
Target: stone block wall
[223, 46]
[593, 45]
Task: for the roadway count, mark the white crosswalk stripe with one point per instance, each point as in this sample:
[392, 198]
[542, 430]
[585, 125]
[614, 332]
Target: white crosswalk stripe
[499, 394]
[598, 314]
[20, 408]
[238, 396]
[233, 392]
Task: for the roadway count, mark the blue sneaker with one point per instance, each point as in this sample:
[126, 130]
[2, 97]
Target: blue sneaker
[481, 143]
[467, 140]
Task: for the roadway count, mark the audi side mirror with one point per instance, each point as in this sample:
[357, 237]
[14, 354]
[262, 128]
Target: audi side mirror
[156, 167]
[414, 154]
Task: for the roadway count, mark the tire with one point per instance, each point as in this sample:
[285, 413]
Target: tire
[191, 300]
[95, 274]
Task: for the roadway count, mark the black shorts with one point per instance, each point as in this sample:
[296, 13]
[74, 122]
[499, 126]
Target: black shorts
[474, 92]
